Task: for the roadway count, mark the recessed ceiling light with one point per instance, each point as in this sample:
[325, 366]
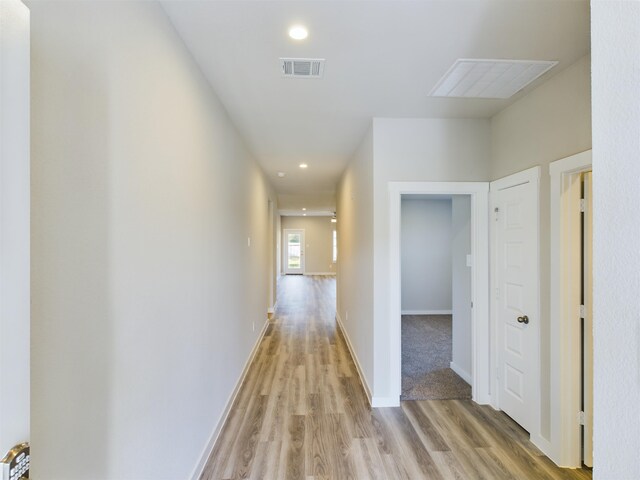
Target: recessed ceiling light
[298, 32]
[303, 165]
[304, 214]
[281, 174]
[303, 209]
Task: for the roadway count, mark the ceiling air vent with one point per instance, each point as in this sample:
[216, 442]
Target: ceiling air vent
[489, 78]
[302, 67]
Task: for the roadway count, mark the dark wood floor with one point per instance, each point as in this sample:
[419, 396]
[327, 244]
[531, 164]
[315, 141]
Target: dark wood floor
[302, 414]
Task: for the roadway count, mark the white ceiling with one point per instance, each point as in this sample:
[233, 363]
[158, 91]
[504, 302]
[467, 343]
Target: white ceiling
[382, 60]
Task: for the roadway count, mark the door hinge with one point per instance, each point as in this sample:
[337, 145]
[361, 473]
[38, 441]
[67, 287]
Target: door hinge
[582, 312]
[496, 211]
[582, 205]
[497, 293]
[581, 418]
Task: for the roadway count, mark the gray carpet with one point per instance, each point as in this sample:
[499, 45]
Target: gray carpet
[426, 354]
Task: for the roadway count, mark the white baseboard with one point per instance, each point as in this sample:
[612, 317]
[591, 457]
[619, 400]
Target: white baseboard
[199, 468]
[426, 312]
[466, 376]
[363, 380]
[319, 273]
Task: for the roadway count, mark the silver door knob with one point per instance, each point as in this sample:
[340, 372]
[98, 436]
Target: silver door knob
[523, 319]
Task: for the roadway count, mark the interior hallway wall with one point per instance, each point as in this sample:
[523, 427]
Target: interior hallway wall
[147, 300]
[318, 239]
[425, 235]
[616, 222]
[355, 255]
[551, 122]
[415, 149]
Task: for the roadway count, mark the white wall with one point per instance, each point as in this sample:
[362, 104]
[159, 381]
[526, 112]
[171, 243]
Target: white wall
[146, 298]
[551, 122]
[318, 239]
[355, 255]
[461, 285]
[424, 149]
[425, 231]
[14, 225]
[615, 37]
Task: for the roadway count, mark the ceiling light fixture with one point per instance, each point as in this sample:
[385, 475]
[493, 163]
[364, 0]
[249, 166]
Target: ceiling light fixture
[303, 165]
[304, 209]
[281, 174]
[298, 32]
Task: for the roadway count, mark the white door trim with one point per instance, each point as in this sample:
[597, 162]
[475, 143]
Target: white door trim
[285, 249]
[564, 309]
[15, 198]
[531, 175]
[480, 335]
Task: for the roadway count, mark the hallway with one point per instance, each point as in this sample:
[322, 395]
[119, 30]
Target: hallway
[302, 413]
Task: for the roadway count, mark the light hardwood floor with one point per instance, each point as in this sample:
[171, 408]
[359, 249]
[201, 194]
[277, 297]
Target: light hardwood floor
[302, 414]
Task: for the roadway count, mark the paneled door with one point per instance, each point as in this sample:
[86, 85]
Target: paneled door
[294, 252]
[516, 290]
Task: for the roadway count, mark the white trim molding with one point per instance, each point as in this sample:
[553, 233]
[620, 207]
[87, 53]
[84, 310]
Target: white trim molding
[480, 334]
[426, 312]
[206, 453]
[363, 379]
[565, 348]
[15, 234]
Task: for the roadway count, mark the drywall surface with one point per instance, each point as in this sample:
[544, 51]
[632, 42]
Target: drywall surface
[425, 236]
[414, 150]
[551, 122]
[615, 38]
[14, 225]
[355, 254]
[147, 300]
[318, 239]
[461, 283]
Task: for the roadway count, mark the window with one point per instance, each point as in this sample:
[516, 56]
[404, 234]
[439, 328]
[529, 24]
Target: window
[335, 246]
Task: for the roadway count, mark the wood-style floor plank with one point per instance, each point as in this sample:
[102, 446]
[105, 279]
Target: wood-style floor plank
[302, 413]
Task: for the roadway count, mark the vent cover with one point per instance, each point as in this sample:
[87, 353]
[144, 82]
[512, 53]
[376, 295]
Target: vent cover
[302, 67]
[489, 78]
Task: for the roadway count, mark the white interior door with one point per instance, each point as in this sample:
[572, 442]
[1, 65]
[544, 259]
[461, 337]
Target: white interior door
[294, 252]
[516, 305]
[587, 358]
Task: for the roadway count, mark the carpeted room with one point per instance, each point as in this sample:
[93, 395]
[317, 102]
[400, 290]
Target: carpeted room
[436, 297]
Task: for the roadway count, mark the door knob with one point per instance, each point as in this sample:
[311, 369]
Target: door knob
[523, 319]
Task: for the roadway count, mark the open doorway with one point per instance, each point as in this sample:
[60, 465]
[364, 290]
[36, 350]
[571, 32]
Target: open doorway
[571, 436]
[477, 193]
[436, 296]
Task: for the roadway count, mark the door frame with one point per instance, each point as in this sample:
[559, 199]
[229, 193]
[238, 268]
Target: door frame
[480, 335]
[565, 347]
[286, 250]
[531, 175]
[15, 218]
